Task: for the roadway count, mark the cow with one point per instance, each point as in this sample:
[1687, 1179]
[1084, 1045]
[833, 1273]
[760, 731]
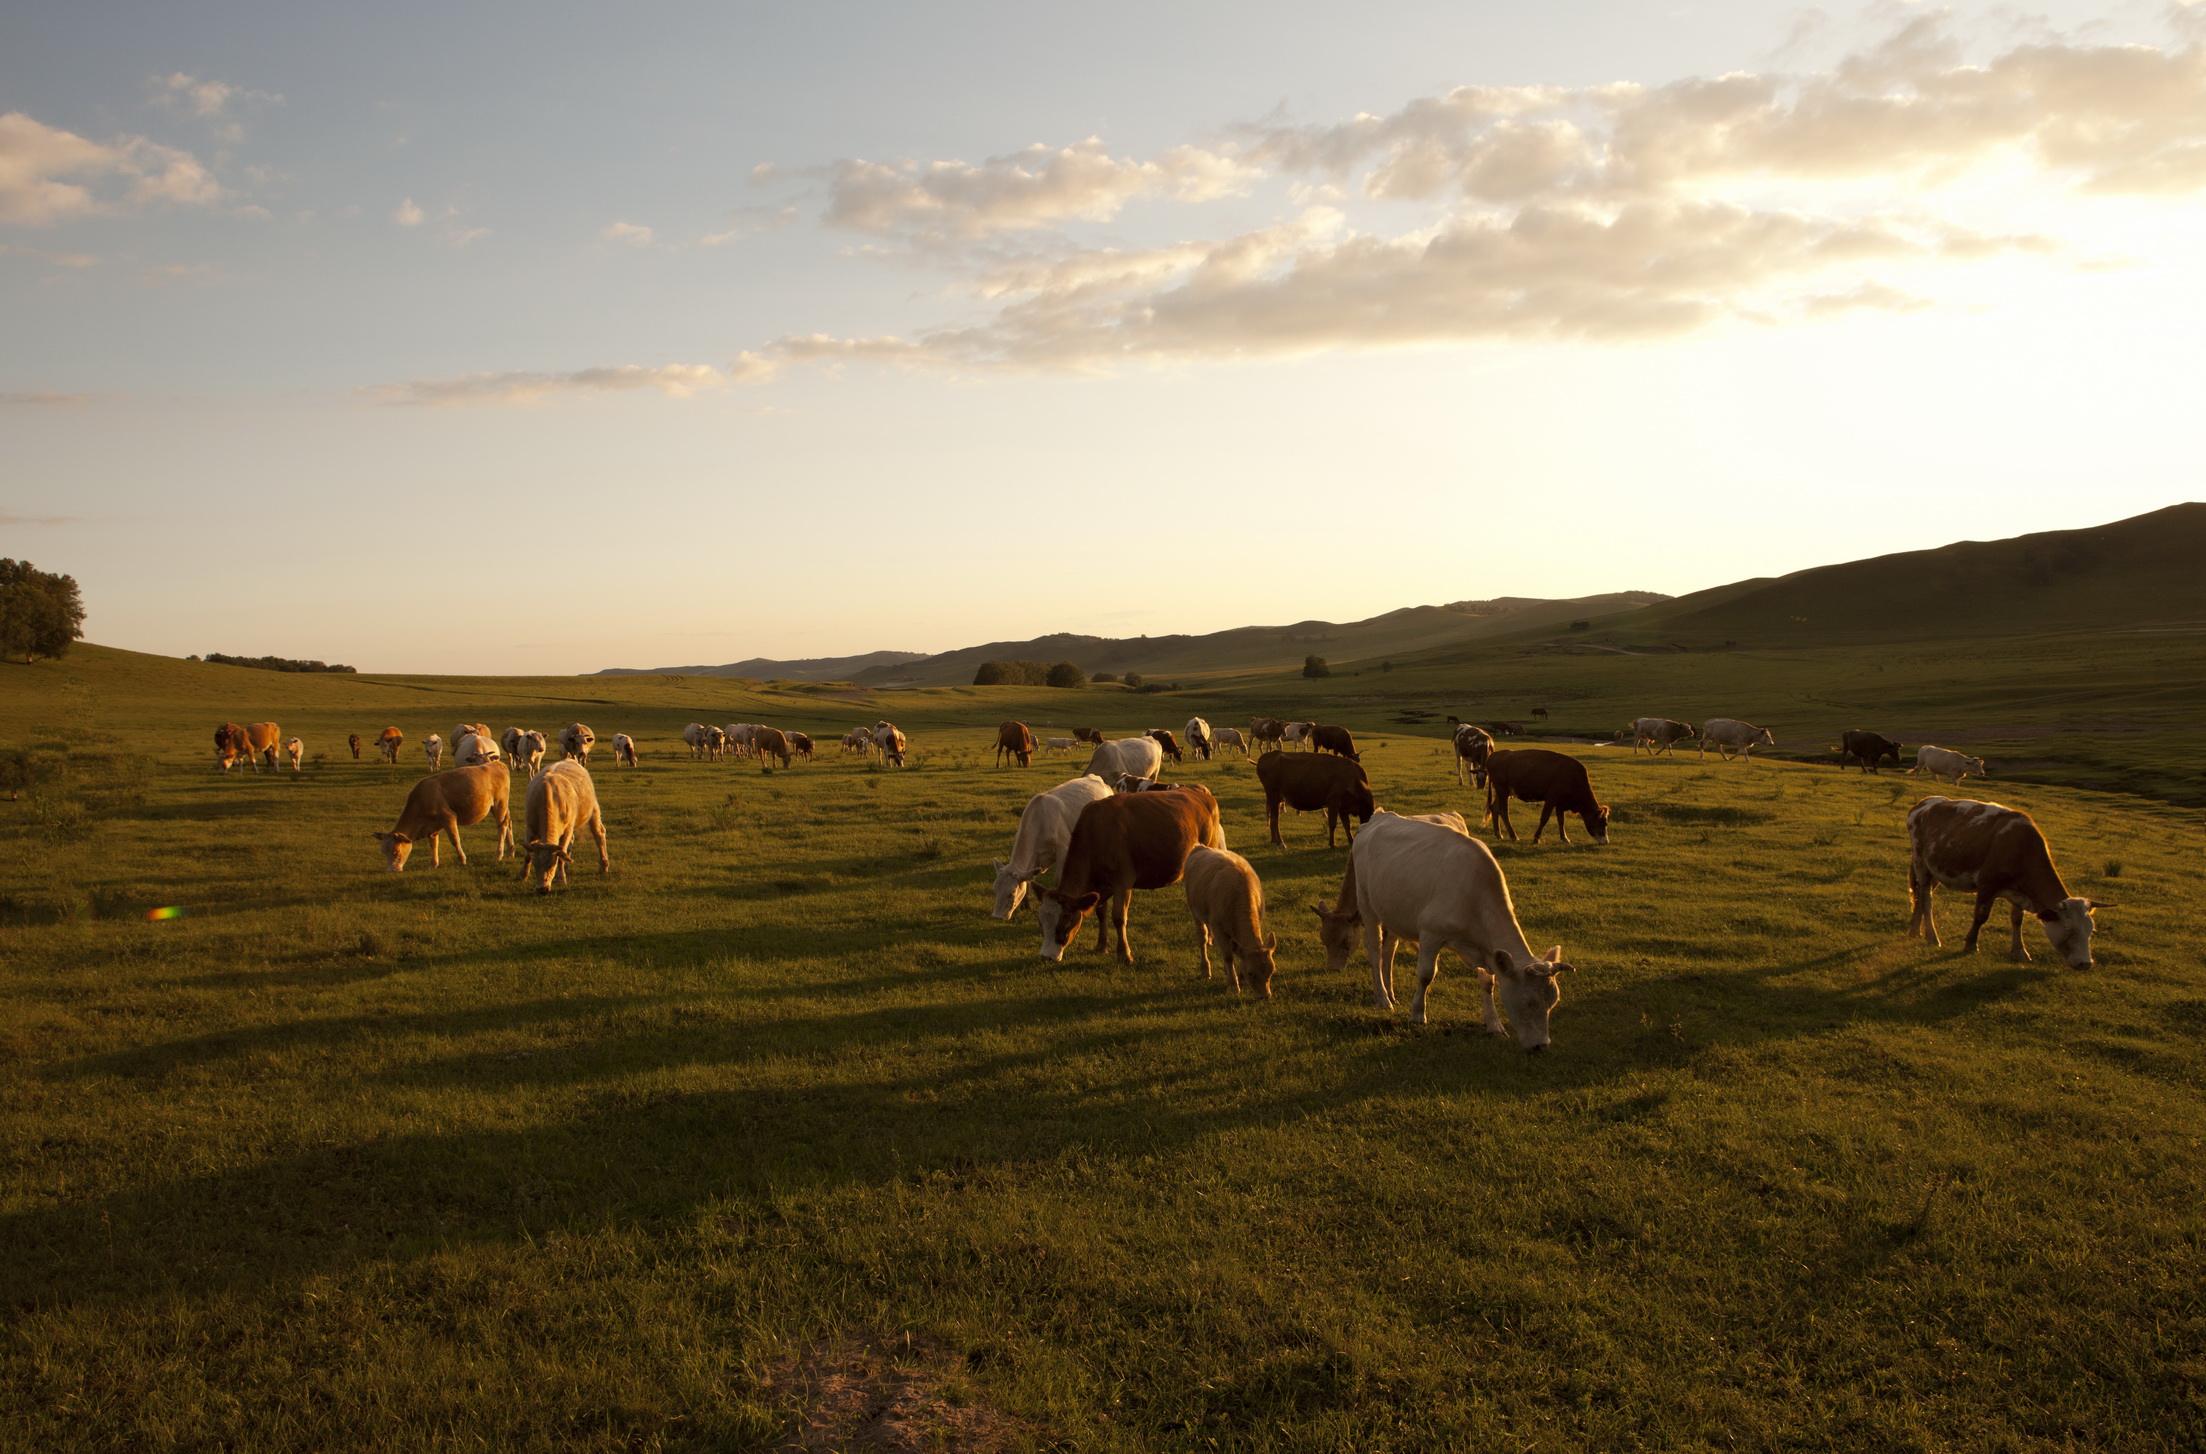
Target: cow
[1422, 881]
[432, 747]
[800, 746]
[889, 742]
[858, 740]
[1167, 741]
[697, 737]
[229, 745]
[562, 798]
[1198, 736]
[1508, 729]
[1045, 826]
[1014, 741]
[387, 742]
[738, 736]
[261, 741]
[1656, 735]
[1267, 732]
[624, 750]
[509, 743]
[1128, 783]
[1088, 734]
[575, 742]
[533, 748]
[1226, 900]
[442, 804]
[1539, 714]
[1336, 740]
[1336, 785]
[1295, 734]
[353, 742]
[1118, 845]
[1867, 748]
[1129, 756]
[459, 735]
[475, 747]
[1471, 747]
[770, 742]
[1729, 735]
[1233, 737]
[1997, 853]
[1946, 763]
[1055, 745]
[1554, 780]
[294, 749]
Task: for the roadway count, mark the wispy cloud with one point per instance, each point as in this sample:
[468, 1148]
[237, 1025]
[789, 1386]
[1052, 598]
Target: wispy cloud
[634, 234]
[408, 213]
[49, 175]
[218, 103]
[676, 381]
[8, 518]
[41, 399]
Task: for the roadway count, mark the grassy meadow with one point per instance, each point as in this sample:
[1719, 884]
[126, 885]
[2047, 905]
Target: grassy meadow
[775, 1139]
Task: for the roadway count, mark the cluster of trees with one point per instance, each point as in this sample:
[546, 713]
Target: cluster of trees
[1029, 674]
[270, 663]
[40, 612]
[1315, 666]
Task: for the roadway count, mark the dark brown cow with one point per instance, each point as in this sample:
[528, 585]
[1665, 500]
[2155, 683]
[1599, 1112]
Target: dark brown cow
[1866, 748]
[1015, 741]
[353, 742]
[1335, 740]
[1088, 734]
[229, 745]
[1266, 732]
[1335, 785]
[800, 743]
[770, 742]
[1539, 714]
[1509, 729]
[1554, 780]
[1168, 742]
[1997, 853]
[1120, 844]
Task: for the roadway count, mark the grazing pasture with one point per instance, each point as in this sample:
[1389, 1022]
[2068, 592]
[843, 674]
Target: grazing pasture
[776, 1132]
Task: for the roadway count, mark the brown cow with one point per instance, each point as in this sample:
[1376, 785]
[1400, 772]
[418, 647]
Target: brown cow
[229, 745]
[261, 741]
[800, 743]
[353, 742]
[445, 802]
[1163, 737]
[1336, 740]
[387, 742]
[1998, 853]
[1307, 784]
[770, 742]
[1554, 780]
[1119, 844]
[1014, 740]
[1088, 734]
[1266, 732]
[1227, 902]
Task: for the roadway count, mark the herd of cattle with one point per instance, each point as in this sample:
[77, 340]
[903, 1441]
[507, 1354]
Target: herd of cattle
[1421, 880]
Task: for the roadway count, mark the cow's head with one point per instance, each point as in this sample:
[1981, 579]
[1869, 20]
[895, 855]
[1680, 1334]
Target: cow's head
[397, 848]
[1762, 738]
[1259, 965]
[2069, 928]
[1361, 805]
[1597, 822]
[544, 860]
[1010, 891]
[1976, 765]
[1529, 993]
[1061, 915]
[1337, 932]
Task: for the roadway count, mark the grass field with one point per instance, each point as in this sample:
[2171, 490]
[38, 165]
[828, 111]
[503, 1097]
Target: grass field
[775, 1137]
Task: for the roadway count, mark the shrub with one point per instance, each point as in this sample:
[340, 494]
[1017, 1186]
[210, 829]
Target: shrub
[1065, 674]
[1133, 679]
[274, 663]
[1011, 674]
[1315, 666]
[1581, 624]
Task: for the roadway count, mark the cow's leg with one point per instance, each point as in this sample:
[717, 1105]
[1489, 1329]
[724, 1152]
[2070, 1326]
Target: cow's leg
[1984, 902]
[1102, 926]
[1501, 819]
[1547, 811]
[1271, 805]
[452, 826]
[1428, 968]
[1202, 946]
[1562, 826]
[1332, 828]
[1121, 905]
[1922, 888]
[505, 831]
[597, 827]
[2015, 951]
[1380, 949]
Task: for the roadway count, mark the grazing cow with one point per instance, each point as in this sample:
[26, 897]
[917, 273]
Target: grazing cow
[716, 742]
[1055, 745]
[1509, 729]
[1167, 741]
[387, 742]
[1088, 734]
[1138, 757]
[1128, 783]
[229, 745]
[1946, 763]
[562, 798]
[1198, 736]
[889, 742]
[575, 741]
[740, 736]
[1014, 740]
[1226, 899]
[1729, 735]
[432, 747]
[624, 750]
[1335, 740]
[858, 740]
[474, 748]
[533, 748]
[1656, 734]
[1039, 846]
[261, 741]
[294, 749]
[800, 746]
[1336, 785]
[1996, 853]
[444, 803]
[1224, 737]
[696, 736]
[1539, 714]
[1427, 883]
[1118, 845]
[1867, 748]
[1267, 732]
[509, 743]
[353, 742]
[459, 734]
[770, 742]
[1472, 748]
[1294, 734]
[1554, 780]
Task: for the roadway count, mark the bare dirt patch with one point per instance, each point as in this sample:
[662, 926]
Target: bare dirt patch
[906, 1396]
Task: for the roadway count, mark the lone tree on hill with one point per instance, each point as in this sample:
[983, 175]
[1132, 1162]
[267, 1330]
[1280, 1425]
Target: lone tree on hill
[40, 612]
[1314, 666]
[1065, 674]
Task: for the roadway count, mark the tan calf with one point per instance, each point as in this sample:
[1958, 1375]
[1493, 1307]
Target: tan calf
[1227, 902]
[562, 798]
[443, 803]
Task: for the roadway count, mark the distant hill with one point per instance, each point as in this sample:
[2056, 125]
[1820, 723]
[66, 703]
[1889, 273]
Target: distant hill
[766, 669]
[2135, 573]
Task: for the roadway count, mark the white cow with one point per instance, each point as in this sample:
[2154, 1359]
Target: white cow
[1044, 830]
[1297, 733]
[509, 742]
[473, 749]
[859, 740]
[1729, 735]
[1473, 745]
[432, 747]
[1055, 745]
[1946, 763]
[1222, 737]
[1138, 757]
[533, 746]
[1428, 881]
[694, 736]
[294, 749]
[889, 741]
[1197, 733]
[624, 750]
[740, 735]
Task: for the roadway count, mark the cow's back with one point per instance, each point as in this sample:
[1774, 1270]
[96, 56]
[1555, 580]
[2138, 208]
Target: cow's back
[1308, 782]
[1415, 875]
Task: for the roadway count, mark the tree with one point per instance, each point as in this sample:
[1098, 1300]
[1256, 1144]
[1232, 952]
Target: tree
[1314, 666]
[1133, 679]
[1065, 674]
[1581, 624]
[991, 674]
[40, 612]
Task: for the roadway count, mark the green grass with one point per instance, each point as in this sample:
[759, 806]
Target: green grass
[347, 1159]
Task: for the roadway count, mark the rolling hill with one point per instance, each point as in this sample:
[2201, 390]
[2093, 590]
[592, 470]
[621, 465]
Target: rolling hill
[761, 668]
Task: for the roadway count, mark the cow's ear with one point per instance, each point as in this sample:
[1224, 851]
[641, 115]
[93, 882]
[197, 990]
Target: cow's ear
[2094, 905]
[1505, 964]
[1085, 902]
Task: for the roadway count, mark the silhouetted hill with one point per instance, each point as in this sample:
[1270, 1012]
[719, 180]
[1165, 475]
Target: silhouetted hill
[762, 668]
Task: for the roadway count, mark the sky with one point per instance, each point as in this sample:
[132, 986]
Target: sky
[509, 338]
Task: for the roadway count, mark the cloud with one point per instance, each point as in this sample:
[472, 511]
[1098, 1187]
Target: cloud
[462, 236]
[408, 213]
[49, 175]
[676, 381]
[749, 222]
[9, 518]
[214, 102]
[634, 234]
[42, 399]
